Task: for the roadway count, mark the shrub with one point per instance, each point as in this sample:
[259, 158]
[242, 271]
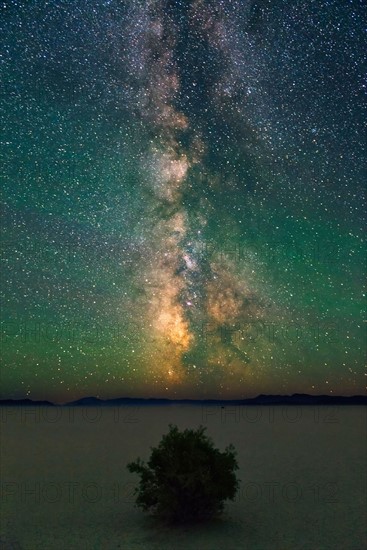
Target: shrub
[186, 478]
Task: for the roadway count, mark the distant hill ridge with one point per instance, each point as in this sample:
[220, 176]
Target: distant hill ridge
[295, 399]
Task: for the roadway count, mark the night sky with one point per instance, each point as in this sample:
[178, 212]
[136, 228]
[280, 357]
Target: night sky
[183, 198]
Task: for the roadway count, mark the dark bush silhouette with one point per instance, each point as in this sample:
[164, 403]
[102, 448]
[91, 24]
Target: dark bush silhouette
[186, 478]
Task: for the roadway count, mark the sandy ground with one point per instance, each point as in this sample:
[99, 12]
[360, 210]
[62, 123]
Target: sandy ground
[64, 482]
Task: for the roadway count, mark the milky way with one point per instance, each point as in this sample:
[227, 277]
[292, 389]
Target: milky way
[183, 199]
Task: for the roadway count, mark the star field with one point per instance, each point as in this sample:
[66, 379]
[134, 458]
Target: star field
[183, 198]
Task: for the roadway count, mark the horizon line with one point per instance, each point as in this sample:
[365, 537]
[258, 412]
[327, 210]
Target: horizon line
[215, 399]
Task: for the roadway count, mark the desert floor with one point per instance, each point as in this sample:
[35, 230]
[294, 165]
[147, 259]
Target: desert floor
[64, 482]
